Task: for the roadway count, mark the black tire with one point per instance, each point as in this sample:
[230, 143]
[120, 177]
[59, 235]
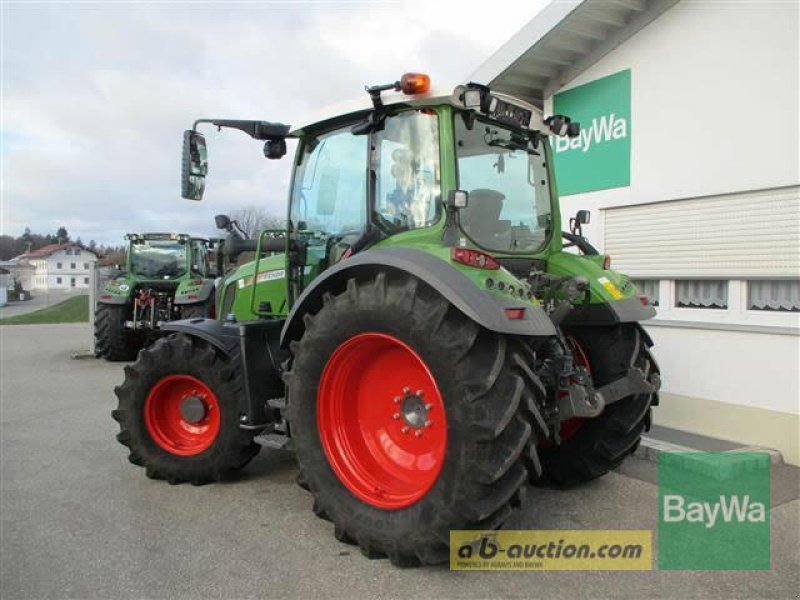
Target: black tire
[602, 443]
[179, 354]
[112, 340]
[201, 310]
[487, 401]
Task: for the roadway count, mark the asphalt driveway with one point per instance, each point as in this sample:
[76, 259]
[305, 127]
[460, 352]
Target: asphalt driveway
[79, 521]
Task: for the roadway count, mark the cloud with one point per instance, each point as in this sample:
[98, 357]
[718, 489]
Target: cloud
[95, 97]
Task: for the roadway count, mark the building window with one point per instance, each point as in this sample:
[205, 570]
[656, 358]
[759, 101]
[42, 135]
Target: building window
[85, 265]
[648, 287]
[68, 251]
[77, 251]
[86, 281]
[774, 295]
[72, 266]
[58, 280]
[72, 282]
[58, 265]
[701, 293]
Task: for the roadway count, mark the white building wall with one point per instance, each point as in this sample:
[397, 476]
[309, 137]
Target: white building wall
[56, 272]
[715, 92]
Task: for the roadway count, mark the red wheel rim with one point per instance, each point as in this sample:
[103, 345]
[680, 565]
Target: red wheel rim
[181, 414]
[571, 426]
[381, 420]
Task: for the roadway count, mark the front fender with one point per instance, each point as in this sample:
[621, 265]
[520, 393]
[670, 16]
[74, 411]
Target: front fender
[253, 346]
[485, 309]
[188, 295]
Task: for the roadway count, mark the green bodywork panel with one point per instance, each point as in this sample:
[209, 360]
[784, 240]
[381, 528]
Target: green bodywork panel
[605, 286]
[270, 286]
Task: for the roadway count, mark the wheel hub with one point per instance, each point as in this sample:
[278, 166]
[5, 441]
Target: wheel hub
[182, 414]
[193, 408]
[414, 410]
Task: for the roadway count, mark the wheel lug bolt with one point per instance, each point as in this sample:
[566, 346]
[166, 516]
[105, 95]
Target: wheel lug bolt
[427, 423]
[418, 433]
[428, 406]
[396, 399]
[404, 430]
[420, 393]
[396, 416]
[406, 390]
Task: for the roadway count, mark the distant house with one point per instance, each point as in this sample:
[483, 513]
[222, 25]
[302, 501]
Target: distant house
[19, 270]
[5, 276]
[60, 266]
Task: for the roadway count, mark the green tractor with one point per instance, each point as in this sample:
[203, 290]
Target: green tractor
[166, 277]
[421, 336]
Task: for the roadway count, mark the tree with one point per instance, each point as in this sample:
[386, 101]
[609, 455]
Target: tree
[253, 219]
[61, 235]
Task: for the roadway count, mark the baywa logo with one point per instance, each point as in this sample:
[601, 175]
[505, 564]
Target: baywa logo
[714, 510]
[729, 509]
[600, 157]
[602, 129]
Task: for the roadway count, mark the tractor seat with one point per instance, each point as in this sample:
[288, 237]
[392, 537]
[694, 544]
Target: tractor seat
[481, 218]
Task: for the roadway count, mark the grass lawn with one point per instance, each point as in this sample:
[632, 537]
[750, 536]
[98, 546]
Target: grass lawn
[72, 310]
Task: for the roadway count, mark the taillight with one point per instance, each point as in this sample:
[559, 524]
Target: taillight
[474, 258]
[606, 261]
[515, 314]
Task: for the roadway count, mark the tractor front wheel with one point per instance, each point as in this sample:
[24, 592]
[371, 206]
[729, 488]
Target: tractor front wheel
[178, 412]
[408, 419]
[112, 340]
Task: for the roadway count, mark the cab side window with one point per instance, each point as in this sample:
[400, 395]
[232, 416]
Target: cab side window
[330, 190]
[405, 161]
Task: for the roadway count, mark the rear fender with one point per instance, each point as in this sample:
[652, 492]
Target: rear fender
[484, 309]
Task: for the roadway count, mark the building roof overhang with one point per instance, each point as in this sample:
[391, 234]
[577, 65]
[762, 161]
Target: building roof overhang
[563, 40]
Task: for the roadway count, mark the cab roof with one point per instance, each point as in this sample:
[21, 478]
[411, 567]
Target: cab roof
[350, 110]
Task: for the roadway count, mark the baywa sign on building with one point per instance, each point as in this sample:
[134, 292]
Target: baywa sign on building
[600, 158]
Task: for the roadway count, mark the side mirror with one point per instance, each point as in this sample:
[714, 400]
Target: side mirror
[222, 221]
[582, 217]
[194, 167]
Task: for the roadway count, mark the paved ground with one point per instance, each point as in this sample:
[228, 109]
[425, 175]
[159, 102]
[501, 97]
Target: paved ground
[40, 299]
[79, 521]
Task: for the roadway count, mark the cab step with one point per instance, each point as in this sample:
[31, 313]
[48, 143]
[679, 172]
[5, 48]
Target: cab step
[272, 440]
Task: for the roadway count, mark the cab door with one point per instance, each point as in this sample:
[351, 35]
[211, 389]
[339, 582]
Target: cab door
[328, 205]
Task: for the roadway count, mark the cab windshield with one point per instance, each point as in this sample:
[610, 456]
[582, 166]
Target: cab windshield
[509, 194]
[158, 259]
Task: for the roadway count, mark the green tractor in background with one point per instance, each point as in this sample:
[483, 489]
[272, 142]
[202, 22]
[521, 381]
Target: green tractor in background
[418, 335]
[167, 276]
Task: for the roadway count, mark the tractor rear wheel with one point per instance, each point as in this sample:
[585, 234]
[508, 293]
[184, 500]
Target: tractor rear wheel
[112, 340]
[591, 448]
[408, 419]
[178, 412]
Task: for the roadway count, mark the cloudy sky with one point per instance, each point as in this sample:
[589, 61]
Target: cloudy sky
[95, 96]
